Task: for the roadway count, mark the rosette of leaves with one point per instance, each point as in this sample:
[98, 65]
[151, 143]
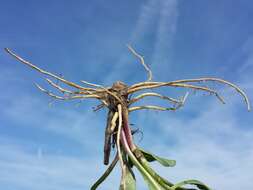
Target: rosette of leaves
[119, 101]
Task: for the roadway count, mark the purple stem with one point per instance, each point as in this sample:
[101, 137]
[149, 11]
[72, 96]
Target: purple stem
[127, 131]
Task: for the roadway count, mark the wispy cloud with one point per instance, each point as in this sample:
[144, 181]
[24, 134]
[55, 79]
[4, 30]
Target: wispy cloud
[154, 30]
[23, 169]
[247, 50]
[167, 24]
[147, 15]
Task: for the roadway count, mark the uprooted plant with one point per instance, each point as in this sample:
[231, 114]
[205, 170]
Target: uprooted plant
[118, 132]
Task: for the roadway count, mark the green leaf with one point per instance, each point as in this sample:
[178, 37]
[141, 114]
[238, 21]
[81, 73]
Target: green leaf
[151, 186]
[152, 183]
[151, 157]
[105, 174]
[130, 163]
[128, 180]
[199, 184]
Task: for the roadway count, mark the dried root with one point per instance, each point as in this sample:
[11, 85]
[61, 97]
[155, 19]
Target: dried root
[117, 100]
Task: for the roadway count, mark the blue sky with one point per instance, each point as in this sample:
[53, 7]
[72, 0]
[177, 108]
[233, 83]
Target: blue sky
[53, 145]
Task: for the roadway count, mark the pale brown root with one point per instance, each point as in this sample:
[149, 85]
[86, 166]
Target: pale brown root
[98, 107]
[45, 72]
[184, 98]
[137, 98]
[142, 62]
[201, 88]
[63, 90]
[114, 119]
[49, 93]
[239, 90]
[66, 98]
[160, 84]
[150, 107]
[105, 90]
[92, 84]
[82, 97]
[118, 139]
[148, 85]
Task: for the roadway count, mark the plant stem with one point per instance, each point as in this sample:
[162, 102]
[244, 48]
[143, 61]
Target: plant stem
[126, 128]
[137, 163]
[106, 173]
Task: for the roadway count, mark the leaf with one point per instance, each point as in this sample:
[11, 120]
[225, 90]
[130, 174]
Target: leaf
[130, 163]
[151, 157]
[128, 181]
[151, 186]
[105, 174]
[199, 184]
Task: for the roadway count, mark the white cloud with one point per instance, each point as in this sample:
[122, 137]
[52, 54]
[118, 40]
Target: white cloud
[22, 169]
[160, 19]
[167, 24]
[148, 13]
[247, 49]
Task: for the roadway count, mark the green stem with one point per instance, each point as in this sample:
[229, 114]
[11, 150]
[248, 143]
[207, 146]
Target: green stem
[137, 163]
[106, 173]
